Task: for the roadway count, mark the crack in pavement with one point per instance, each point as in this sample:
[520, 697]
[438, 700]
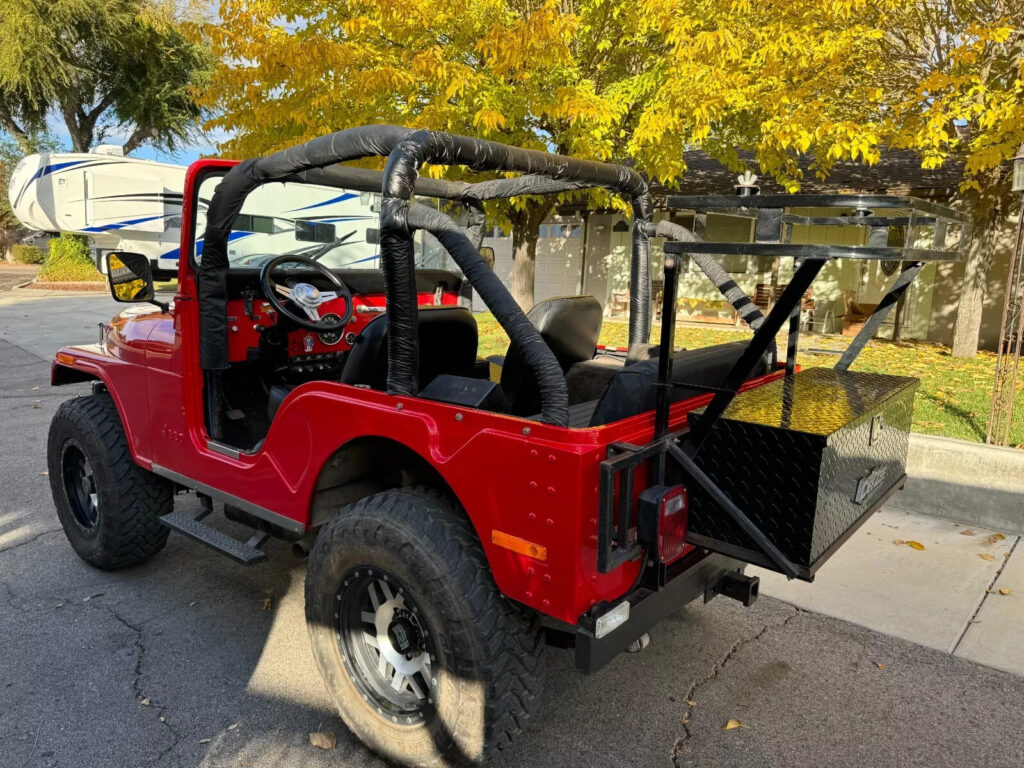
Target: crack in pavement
[140, 654]
[716, 669]
[30, 541]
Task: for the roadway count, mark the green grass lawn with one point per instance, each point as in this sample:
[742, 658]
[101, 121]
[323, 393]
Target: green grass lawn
[953, 399]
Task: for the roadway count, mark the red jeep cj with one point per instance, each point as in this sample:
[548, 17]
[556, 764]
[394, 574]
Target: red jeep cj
[456, 524]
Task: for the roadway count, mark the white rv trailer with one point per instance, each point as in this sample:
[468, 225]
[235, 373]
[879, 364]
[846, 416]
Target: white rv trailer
[128, 204]
[119, 203]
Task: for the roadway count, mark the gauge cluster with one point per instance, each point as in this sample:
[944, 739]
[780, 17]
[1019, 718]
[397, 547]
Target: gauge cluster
[331, 338]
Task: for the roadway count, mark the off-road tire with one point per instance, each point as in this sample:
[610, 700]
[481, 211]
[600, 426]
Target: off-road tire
[489, 649]
[130, 499]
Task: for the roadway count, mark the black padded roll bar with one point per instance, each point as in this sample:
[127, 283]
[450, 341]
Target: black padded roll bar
[352, 144]
[521, 332]
[315, 162]
[401, 173]
[735, 295]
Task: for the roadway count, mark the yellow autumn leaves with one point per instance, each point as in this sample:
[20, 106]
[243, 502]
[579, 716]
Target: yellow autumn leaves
[644, 79]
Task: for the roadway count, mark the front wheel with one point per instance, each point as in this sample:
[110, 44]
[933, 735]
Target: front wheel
[108, 505]
[427, 662]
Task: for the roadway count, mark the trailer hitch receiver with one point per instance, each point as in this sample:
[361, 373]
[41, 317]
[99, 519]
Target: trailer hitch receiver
[736, 585]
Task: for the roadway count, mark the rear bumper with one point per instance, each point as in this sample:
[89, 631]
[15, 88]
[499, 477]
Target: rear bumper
[698, 574]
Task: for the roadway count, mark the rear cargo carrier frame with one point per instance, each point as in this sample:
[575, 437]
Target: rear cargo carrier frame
[832, 442]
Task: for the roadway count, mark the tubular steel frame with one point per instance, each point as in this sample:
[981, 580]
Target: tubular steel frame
[772, 227]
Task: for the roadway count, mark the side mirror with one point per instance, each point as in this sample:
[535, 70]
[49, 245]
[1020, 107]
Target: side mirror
[487, 254]
[131, 277]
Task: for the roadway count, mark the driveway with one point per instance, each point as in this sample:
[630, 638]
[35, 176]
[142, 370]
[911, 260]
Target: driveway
[15, 274]
[193, 660]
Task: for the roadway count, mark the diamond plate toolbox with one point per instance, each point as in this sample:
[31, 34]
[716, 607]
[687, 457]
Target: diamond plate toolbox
[806, 458]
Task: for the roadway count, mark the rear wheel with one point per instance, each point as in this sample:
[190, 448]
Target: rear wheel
[109, 506]
[427, 662]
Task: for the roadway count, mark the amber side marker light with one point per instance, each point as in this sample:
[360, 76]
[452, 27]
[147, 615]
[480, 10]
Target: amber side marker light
[519, 546]
[63, 357]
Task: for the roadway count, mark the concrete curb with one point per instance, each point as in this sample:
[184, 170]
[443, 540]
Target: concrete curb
[971, 483]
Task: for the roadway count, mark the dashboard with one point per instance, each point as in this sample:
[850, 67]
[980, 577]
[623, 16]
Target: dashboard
[257, 335]
[309, 354]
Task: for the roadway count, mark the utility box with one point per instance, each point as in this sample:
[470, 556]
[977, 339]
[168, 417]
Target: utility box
[807, 458]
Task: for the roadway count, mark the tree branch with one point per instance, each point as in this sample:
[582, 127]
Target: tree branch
[138, 137]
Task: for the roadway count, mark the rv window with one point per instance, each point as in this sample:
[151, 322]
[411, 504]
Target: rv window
[314, 232]
[246, 222]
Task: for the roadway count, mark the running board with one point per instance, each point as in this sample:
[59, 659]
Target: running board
[245, 552]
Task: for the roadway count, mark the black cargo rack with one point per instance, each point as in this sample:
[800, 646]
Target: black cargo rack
[911, 231]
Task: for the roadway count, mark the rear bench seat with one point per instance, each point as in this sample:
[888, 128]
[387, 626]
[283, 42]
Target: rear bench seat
[630, 390]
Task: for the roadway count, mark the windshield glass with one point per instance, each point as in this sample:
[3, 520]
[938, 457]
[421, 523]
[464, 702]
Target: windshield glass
[336, 227]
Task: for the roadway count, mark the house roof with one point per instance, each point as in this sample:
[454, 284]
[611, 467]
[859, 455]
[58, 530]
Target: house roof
[898, 171]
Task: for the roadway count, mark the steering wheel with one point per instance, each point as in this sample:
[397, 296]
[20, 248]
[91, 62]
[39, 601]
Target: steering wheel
[305, 296]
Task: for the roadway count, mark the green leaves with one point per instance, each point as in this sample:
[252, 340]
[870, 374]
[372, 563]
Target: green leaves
[119, 62]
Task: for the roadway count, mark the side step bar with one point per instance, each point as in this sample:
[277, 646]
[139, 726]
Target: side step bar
[245, 552]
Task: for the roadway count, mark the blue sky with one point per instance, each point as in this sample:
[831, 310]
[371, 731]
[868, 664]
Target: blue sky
[184, 156]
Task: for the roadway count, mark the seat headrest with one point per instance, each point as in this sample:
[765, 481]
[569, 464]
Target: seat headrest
[571, 325]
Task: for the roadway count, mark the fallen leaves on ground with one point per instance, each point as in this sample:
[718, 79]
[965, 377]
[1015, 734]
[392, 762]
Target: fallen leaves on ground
[734, 723]
[204, 741]
[323, 739]
[967, 532]
[267, 604]
[987, 556]
[912, 544]
[994, 538]
[880, 665]
[146, 702]
[1005, 591]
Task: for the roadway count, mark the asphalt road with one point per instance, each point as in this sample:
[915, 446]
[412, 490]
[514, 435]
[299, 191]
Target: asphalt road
[183, 661]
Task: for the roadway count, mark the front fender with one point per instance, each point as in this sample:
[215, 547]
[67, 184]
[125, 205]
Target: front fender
[125, 382]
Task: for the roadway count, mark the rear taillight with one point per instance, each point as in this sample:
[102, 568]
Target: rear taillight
[663, 513]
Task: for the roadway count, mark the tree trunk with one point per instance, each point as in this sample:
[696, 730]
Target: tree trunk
[526, 223]
[988, 210]
[897, 327]
[19, 134]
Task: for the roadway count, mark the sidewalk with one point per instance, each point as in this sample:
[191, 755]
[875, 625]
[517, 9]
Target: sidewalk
[946, 595]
